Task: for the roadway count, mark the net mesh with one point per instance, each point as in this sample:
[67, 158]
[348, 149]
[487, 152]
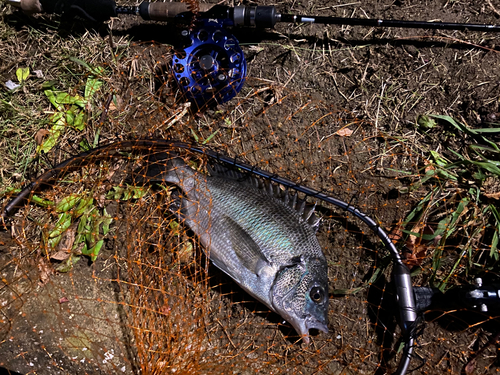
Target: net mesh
[99, 276]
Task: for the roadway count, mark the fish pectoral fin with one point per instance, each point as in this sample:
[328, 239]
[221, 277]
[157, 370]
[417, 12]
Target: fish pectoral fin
[224, 268]
[247, 250]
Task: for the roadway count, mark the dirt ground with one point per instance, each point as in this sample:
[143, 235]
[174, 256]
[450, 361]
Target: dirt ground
[306, 84]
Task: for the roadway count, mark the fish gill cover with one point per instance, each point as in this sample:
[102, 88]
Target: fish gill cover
[100, 276]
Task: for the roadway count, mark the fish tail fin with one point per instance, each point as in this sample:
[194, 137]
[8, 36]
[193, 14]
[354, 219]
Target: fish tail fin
[163, 167]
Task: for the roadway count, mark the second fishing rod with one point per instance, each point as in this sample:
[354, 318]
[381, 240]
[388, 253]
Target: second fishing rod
[247, 16]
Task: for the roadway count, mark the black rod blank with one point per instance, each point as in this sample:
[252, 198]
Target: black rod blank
[290, 18]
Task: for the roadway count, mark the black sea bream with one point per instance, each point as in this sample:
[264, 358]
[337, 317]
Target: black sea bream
[256, 235]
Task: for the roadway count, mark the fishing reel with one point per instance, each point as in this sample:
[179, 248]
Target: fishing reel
[209, 66]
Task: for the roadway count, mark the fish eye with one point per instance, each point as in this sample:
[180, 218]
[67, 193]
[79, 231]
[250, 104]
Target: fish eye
[317, 294]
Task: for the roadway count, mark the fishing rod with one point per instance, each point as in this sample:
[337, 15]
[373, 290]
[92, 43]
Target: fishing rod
[208, 65]
[249, 16]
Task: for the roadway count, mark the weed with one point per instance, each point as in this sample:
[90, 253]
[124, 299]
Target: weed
[457, 220]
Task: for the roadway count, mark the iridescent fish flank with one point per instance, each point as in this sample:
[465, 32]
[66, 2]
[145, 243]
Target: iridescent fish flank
[261, 237]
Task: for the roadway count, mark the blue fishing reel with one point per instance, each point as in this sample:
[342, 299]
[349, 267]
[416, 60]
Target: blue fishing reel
[209, 67]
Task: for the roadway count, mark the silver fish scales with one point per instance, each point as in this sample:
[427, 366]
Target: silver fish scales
[256, 235]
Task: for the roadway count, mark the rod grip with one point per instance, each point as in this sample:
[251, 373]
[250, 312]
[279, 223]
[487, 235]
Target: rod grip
[28, 6]
[159, 11]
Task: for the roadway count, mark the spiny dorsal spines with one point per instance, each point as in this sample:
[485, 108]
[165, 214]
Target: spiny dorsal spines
[278, 192]
[314, 222]
[286, 198]
[293, 203]
[302, 207]
[309, 212]
[270, 189]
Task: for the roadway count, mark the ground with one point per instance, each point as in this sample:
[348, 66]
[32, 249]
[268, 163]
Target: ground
[335, 108]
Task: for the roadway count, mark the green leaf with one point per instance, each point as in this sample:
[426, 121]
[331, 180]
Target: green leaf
[94, 250]
[91, 87]
[51, 95]
[84, 145]
[82, 230]
[174, 225]
[49, 85]
[115, 193]
[138, 191]
[94, 70]
[478, 148]
[54, 241]
[494, 246]
[96, 137]
[79, 122]
[22, 74]
[196, 138]
[54, 133]
[107, 220]
[490, 167]
[91, 231]
[63, 223]
[68, 264]
[84, 206]
[470, 131]
[41, 202]
[65, 98]
[67, 203]
[426, 122]
[127, 193]
[439, 159]
[210, 137]
[70, 116]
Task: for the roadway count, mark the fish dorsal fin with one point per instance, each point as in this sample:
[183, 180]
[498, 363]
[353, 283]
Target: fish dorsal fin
[304, 209]
[247, 250]
[220, 171]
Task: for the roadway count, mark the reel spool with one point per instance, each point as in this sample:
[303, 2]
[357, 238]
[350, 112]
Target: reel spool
[209, 67]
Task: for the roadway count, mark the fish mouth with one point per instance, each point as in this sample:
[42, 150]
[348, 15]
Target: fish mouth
[303, 326]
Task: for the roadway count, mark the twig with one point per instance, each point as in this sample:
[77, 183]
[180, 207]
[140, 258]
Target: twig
[493, 8]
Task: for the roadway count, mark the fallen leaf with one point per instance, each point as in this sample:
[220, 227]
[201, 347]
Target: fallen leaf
[415, 249]
[429, 167]
[66, 243]
[40, 135]
[60, 255]
[344, 132]
[396, 233]
[39, 74]
[470, 367]
[12, 85]
[493, 195]
[45, 270]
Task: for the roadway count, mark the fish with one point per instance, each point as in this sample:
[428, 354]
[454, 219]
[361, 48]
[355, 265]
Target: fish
[261, 236]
